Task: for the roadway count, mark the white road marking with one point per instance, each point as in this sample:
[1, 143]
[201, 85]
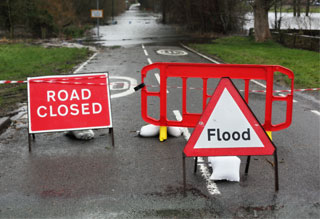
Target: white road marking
[258, 83]
[211, 186]
[128, 91]
[145, 52]
[199, 54]
[282, 95]
[150, 62]
[125, 85]
[158, 79]
[122, 94]
[316, 112]
[85, 63]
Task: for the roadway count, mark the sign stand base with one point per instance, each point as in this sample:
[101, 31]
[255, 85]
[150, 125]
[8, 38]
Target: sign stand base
[29, 140]
[184, 174]
[195, 165]
[33, 137]
[247, 165]
[112, 135]
[276, 171]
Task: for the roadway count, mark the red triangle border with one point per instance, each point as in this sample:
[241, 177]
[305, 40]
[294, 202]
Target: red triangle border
[268, 148]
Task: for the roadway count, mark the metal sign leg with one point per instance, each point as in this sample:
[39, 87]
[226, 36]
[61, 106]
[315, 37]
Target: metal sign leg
[247, 165]
[29, 142]
[276, 173]
[112, 135]
[184, 174]
[195, 164]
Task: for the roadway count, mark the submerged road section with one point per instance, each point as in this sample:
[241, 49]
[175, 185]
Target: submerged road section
[142, 177]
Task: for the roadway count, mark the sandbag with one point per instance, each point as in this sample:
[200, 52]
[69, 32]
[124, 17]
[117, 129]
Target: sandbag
[225, 168]
[174, 131]
[149, 130]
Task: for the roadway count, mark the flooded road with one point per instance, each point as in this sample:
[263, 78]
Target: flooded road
[142, 177]
[137, 27]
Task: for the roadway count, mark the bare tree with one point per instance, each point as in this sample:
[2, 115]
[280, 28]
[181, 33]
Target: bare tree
[298, 8]
[261, 22]
[10, 19]
[307, 8]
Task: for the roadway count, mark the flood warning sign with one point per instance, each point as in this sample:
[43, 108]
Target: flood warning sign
[228, 127]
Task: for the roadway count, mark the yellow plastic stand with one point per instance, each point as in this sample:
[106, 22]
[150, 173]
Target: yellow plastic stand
[269, 134]
[163, 133]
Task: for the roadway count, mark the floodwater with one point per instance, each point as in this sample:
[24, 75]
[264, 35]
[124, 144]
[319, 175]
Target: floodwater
[137, 27]
[288, 21]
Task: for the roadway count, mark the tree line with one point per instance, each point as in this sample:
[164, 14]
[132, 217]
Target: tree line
[49, 18]
[223, 16]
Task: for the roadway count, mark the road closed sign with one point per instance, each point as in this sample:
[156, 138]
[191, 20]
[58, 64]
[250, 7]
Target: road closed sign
[228, 127]
[69, 102]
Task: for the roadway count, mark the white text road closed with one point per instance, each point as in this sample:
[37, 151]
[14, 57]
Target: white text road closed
[228, 127]
[49, 110]
[59, 103]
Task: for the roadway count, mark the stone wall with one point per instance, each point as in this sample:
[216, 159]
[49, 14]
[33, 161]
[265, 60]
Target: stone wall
[301, 39]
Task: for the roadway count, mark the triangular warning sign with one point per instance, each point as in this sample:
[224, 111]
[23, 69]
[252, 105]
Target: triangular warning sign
[228, 127]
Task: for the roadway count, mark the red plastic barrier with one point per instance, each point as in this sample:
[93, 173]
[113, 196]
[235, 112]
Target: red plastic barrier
[205, 72]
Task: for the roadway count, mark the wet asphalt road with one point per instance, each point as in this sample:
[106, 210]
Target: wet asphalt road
[142, 177]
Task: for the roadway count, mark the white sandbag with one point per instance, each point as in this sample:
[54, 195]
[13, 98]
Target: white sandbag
[82, 134]
[174, 131]
[149, 130]
[225, 168]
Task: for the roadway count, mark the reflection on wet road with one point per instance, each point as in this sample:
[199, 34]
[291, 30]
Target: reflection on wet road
[137, 27]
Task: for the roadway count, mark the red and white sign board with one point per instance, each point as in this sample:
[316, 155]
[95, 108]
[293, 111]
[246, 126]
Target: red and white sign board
[228, 127]
[69, 102]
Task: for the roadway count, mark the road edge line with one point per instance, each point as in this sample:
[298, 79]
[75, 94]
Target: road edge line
[214, 61]
[85, 63]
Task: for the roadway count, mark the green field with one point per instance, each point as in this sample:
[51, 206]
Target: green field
[289, 8]
[244, 50]
[19, 61]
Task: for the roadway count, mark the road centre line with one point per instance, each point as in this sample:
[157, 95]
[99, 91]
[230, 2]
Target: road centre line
[211, 185]
[145, 52]
[316, 112]
[158, 79]
[150, 62]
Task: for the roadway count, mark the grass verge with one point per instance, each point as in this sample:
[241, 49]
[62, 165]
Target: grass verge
[19, 61]
[244, 50]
